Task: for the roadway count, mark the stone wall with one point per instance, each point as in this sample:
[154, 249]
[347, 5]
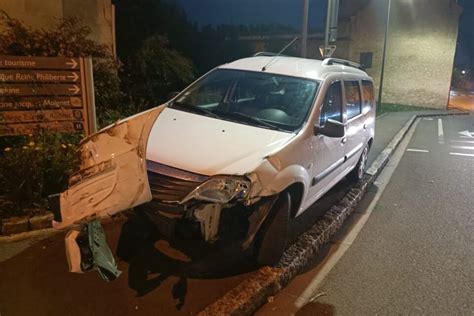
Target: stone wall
[96, 14]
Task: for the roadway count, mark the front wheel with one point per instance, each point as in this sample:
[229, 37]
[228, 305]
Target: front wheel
[272, 239]
[358, 172]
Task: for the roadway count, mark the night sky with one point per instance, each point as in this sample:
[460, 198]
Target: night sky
[237, 12]
[465, 48]
[289, 13]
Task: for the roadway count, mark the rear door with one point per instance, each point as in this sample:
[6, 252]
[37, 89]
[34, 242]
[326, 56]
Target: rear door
[355, 122]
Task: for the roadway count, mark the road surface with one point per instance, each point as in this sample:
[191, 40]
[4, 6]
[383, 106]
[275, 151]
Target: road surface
[415, 254]
[158, 279]
[462, 99]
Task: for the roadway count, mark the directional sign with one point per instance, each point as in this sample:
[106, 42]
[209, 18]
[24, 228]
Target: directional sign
[32, 128]
[46, 93]
[33, 89]
[20, 76]
[11, 103]
[40, 116]
[21, 62]
[467, 134]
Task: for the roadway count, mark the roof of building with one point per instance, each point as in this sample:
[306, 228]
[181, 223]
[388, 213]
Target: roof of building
[291, 66]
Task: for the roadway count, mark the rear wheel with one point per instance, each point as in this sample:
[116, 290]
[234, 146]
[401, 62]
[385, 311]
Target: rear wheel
[358, 172]
[272, 239]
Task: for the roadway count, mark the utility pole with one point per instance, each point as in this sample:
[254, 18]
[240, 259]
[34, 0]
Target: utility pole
[330, 36]
[384, 53]
[304, 31]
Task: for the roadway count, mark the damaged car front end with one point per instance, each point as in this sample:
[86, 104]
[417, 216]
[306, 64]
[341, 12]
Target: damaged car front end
[212, 164]
[114, 176]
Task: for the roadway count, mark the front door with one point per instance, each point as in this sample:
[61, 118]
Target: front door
[328, 152]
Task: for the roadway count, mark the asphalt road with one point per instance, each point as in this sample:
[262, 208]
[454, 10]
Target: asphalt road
[157, 279]
[463, 100]
[415, 254]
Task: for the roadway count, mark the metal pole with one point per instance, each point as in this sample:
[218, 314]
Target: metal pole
[304, 32]
[328, 24]
[387, 25]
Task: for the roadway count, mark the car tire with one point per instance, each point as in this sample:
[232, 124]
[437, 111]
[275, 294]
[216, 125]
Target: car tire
[358, 172]
[272, 239]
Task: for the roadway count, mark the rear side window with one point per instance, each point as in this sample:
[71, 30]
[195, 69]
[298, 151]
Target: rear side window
[354, 106]
[368, 97]
[332, 107]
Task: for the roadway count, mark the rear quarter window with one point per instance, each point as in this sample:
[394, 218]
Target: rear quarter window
[368, 96]
[353, 99]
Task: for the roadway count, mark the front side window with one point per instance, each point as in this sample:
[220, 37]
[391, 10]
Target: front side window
[253, 98]
[332, 106]
[352, 90]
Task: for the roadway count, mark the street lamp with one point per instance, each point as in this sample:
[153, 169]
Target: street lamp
[384, 53]
[304, 32]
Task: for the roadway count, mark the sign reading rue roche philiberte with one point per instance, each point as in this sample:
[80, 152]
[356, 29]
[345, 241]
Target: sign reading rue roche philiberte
[54, 94]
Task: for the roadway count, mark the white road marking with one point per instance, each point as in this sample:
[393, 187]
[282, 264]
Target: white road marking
[381, 182]
[467, 134]
[418, 150]
[428, 118]
[464, 147]
[440, 131]
[461, 154]
[463, 141]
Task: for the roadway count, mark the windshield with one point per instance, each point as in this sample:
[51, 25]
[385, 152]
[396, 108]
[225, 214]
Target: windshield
[254, 98]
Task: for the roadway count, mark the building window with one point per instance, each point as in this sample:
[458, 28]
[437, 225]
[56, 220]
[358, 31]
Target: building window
[366, 60]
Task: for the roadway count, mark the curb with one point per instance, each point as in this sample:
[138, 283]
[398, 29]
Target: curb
[47, 232]
[50, 231]
[23, 224]
[253, 292]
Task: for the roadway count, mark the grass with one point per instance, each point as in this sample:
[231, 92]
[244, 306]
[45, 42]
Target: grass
[390, 107]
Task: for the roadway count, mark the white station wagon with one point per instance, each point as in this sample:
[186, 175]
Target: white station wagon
[237, 154]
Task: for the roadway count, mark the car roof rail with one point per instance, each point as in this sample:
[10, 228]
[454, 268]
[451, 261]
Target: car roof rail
[266, 54]
[332, 61]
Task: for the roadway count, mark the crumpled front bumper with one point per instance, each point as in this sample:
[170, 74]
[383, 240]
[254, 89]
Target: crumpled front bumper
[112, 175]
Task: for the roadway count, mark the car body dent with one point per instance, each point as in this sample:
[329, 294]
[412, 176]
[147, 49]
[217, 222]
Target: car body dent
[123, 184]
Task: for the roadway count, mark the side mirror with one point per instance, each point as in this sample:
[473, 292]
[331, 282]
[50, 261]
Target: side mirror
[331, 129]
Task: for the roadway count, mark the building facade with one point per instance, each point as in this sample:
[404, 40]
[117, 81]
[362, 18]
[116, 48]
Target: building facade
[98, 15]
[421, 45]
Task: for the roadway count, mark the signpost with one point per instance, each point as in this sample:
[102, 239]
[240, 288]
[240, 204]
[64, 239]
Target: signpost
[54, 94]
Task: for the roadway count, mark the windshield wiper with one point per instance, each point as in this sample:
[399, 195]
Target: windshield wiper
[255, 120]
[194, 109]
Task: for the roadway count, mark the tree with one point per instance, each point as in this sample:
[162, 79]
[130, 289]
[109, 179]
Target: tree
[67, 38]
[155, 71]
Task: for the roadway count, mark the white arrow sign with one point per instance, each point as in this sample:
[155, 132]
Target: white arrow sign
[72, 63]
[467, 134]
[74, 76]
[75, 89]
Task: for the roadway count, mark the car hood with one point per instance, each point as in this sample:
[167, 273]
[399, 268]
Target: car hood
[210, 146]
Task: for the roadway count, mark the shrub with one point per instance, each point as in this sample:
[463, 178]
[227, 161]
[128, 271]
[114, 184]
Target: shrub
[33, 167]
[36, 166]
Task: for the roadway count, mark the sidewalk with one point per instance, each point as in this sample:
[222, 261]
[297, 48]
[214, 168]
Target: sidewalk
[344, 287]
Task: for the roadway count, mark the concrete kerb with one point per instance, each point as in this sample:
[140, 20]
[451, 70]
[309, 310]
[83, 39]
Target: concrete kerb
[253, 292]
[47, 232]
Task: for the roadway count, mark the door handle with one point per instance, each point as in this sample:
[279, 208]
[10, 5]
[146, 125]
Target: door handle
[344, 140]
[365, 126]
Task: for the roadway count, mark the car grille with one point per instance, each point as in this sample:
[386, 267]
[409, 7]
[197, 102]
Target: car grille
[168, 184]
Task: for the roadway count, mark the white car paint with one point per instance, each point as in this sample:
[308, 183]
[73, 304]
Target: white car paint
[210, 146]
[271, 160]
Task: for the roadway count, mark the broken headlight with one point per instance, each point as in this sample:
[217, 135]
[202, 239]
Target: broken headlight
[220, 189]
